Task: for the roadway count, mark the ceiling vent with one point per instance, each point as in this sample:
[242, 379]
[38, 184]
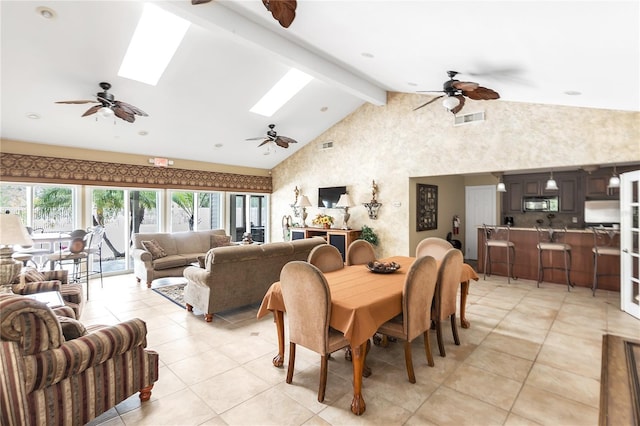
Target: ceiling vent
[326, 145]
[468, 118]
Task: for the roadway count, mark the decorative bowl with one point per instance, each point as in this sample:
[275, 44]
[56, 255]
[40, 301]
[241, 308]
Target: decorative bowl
[382, 267]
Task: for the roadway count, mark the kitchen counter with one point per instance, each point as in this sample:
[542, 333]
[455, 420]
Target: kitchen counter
[526, 259]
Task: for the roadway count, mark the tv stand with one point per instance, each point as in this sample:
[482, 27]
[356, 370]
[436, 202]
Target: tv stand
[339, 238]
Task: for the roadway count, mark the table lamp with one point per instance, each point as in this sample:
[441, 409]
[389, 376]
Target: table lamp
[345, 202]
[12, 233]
[304, 203]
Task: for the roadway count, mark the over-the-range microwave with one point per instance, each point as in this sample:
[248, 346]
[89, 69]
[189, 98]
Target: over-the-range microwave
[540, 204]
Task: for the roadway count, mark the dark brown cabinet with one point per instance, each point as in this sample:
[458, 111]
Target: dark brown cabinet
[569, 192]
[512, 199]
[597, 186]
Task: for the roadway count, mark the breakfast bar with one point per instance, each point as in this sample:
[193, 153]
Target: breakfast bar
[526, 259]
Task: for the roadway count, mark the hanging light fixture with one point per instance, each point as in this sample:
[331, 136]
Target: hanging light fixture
[450, 102]
[500, 187]
[551, 183]
[614, 180]
[106, 112]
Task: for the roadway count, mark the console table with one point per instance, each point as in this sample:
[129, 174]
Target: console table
[339, 238]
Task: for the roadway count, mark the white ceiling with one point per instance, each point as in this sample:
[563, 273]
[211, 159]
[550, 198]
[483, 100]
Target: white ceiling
[235, 51]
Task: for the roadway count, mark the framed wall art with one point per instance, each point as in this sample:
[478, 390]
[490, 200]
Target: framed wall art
[427, 206]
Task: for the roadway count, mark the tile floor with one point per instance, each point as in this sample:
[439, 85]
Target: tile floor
[531, 356]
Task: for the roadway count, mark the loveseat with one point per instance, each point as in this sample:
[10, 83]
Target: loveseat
[240, 275]
[47, 379]
[177, 250]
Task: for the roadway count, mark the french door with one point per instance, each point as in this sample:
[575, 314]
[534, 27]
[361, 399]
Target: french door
[629, 243]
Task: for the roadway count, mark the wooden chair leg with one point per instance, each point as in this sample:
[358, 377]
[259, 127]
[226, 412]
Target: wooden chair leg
[323, 377]
[454, 329]
[292, 361]
[145, 393]
[427, 349]
[439, 335]
[409, 362]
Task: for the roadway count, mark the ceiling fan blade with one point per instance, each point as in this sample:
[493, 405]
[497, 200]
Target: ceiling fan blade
[284, 11]
[465, 85]
[194, 2]
[481, 94]
[84, 101]
[460, 105]
[123, 114]
[130, 108]
[429, 102]
[92, 110]
[266, 141]
[284, 141]
[257, 138]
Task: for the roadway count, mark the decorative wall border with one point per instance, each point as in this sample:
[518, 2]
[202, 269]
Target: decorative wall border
[32, 168]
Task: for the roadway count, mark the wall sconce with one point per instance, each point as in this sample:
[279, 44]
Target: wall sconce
[303, 203]
[614, 180]
[345, 202]
[373, 206]
[551, 183]
[294, 206]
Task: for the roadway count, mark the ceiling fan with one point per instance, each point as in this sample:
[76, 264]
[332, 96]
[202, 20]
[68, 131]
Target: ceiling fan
[284, 11]
[455, 91]
[108, 106]
[272, 136]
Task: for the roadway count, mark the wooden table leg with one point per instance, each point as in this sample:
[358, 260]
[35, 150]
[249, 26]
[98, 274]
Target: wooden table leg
[464, 291]
[278, 360]
[358, 354]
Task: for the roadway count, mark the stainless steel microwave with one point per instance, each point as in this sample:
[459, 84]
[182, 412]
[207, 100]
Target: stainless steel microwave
[539, 204]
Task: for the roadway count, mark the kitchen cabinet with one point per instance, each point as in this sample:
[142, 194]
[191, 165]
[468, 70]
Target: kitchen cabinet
[512, 199]
[597, 186]
[569, 193]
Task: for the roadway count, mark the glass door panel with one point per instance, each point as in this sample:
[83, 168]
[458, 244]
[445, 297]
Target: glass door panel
[629, 243]
[258, 217]
[237, 216]
[108, 211]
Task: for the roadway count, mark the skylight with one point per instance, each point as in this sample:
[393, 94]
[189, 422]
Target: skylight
[155, 41]
[292, 82]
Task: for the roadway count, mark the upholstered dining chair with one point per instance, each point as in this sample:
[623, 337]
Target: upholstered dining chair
[434, 247]
[417, 296]
[446, 294]
[326, 257]
[307, 299]
[360, 252]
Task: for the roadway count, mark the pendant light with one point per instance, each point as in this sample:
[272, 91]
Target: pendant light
[551, 183]
[614, 180]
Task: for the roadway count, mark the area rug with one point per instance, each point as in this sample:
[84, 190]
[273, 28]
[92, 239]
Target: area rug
[175, 293]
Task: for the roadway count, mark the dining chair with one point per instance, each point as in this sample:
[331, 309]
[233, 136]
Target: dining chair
[417, 297]
[307, 299]
[75, 254]
[326, 257]
[434, 247]
[360, 252]
[446, 292]
[95, 249]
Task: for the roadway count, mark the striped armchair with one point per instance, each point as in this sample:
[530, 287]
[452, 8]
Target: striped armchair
[57, 280]
[45, 380]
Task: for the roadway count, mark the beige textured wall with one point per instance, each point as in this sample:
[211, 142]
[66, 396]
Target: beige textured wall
[393, 144]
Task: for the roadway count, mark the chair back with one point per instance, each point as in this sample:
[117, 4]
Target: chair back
[80, 239]
[307, 299]
[606, 240]
[550, 235]
[496, 233]
[448, 282]
[417, 296]
[360, 252]
[434, 247]
[326, 258]
[96, 238]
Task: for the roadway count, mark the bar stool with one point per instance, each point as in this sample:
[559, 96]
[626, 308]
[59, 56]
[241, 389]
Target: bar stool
[498, 236]
[552, 240]
[606, 242]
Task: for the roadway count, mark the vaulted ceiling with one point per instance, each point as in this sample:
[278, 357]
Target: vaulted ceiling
[234, 51]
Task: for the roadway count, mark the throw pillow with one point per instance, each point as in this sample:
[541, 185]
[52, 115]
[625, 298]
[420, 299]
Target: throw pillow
[71, 328]
[31, 275]
[154, 248]
[220, 241]
[201, 261]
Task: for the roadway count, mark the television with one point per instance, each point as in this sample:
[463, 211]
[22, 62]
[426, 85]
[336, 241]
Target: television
[328, 197]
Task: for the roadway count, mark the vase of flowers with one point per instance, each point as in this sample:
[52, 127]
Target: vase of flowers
[323, 220]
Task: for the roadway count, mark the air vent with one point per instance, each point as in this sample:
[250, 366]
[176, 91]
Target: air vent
[468, 118]
[326, 145]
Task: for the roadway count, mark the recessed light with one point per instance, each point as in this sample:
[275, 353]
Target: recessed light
[143, 133]
[218, 145]
[572, 93]
[45, 12]
[367, 55]
[324, 109]
[412, 84]
[32, 115]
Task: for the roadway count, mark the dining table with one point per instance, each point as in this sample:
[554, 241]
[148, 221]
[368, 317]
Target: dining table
[361, 301]
[53, 239]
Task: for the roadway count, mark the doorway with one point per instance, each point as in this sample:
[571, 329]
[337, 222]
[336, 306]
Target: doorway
[480, 207]
[629, 242]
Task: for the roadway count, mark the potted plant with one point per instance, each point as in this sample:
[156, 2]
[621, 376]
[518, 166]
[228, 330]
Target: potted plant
[369, 235]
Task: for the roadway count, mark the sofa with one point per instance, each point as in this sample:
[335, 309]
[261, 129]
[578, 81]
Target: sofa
[240, 275]
[55, 372]
[175, 251]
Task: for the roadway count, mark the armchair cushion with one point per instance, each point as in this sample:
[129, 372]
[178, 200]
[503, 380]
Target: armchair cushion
[71, 328]
[156, 250]
[31, 275]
